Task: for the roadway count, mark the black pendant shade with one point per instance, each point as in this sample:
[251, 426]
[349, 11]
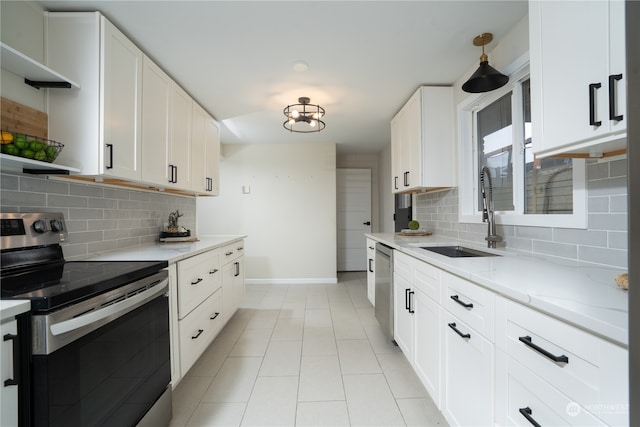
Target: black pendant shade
[485, 79]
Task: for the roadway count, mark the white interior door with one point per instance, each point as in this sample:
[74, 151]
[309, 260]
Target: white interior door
[353, 217]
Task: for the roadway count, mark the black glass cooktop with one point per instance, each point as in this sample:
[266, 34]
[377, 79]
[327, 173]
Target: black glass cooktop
[61, 283]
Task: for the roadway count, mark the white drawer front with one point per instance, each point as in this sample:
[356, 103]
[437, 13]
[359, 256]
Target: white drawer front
[198, 277]
[198, 330]
[523, 394]
[427, 279]
[403, 266]
[594, 372]
[231, 251]
[471, 303]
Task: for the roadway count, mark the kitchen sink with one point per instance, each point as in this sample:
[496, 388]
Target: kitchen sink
[457, 251]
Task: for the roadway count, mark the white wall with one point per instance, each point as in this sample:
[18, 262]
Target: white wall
[289, 215]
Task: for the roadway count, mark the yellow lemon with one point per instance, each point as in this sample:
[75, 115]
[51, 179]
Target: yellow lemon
[6, 138]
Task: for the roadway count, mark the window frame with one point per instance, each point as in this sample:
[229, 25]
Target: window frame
[468, 172]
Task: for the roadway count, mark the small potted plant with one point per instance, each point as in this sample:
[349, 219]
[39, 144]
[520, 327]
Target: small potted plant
[173, 221]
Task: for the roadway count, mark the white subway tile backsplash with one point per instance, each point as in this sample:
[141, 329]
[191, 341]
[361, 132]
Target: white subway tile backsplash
[618, 168]
[98, 219]
[607, 187]
[581, 237]
[536, 233]
[618, 240]
[609, 221]
[603, 256]
[597, 171]
[598, 204]
[619, 203]
[563, 250]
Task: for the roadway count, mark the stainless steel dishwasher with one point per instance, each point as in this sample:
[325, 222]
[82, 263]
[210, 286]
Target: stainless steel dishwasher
[384, 288]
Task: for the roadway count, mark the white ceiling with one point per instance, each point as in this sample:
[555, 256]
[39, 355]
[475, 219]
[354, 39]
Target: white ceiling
[365, 57]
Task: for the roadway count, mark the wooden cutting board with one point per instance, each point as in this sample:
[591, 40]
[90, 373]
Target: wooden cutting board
[15, 117]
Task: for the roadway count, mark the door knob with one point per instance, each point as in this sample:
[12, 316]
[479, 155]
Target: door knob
[367, 223]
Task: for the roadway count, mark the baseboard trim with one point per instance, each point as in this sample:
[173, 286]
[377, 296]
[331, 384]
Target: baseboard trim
[304, 281]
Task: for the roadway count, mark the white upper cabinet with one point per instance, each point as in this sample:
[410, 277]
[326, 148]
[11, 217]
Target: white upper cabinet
[180, 139]
[578, 86]
[99, 123]
[205, 149]
[423, 141]
[156, 99]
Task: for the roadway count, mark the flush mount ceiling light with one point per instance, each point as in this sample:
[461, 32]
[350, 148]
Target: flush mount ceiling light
[303, 117]
[486, 78]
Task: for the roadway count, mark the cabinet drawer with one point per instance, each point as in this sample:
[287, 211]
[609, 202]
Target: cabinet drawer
[521, 393]
[402, 266]
[231, 251]
[198, 277]
[427, 279]
[198, 330]
[471, 303]
[589, 370]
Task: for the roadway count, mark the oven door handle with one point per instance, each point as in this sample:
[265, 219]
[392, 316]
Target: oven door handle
[112, 311]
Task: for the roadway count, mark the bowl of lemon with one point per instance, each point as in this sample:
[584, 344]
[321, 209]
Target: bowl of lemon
[29, 146]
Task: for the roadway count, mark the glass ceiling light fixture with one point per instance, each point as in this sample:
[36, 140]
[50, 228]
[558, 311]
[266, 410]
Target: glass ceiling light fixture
[303, 117]
[486, 78]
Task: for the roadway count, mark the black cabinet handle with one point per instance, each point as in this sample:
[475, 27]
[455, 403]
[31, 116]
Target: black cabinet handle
[366, 223]
[16, 360]
[176, 177]
[214, 271]
[216, 314]
[406, 179]
[457, 331]
[411, 310]
[239, 248]
[462, 303]
[561, 359]
[371, 247]
[228, 253]
[592, 104]
[110, 147]
[406, 299]
[370, 268]
[197, 281]
[237, 264]
[526, 412]
[395, 183]
[612, 97]
[200, 331]
[173, 178]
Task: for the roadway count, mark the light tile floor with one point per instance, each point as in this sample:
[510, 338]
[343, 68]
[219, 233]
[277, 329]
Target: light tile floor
[304, 355]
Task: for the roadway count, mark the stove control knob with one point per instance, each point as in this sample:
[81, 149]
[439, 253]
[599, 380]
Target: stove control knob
[40, 226]
[56, 225]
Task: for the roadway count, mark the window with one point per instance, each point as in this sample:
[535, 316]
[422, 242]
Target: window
[495, 131]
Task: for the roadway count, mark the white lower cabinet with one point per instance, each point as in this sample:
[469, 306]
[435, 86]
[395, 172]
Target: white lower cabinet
[232, 258]
[487, 360]
[199, 329]
[206, 290]
[586, 372]
[468, 374]
[8, 391]
[371, 276]
[428, 338]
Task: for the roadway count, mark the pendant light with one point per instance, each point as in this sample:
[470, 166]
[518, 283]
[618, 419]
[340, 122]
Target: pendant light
[486, 78]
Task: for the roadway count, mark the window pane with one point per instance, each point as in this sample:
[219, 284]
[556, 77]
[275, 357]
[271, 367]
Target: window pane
[548, 182]
[495, 142]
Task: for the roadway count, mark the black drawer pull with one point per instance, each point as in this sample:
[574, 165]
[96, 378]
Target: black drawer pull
[395, 183]
[197, 281]
[462, 303]
[592, 104]
[16, 359]
[406, 299]
[110, 147]
[457, 331]
[526, 412]
[228, 253]
[214, 271]
[200, 331]
[411, 310]
[560, 359]
[216, 314]
[370, 268]
[612, 97]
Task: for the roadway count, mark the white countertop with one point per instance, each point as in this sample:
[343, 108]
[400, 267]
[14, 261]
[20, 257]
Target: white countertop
[171, 252]
[11, 308]
[585, 296]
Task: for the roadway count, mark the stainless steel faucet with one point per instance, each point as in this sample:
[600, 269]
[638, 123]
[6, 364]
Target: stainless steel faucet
[487, 208]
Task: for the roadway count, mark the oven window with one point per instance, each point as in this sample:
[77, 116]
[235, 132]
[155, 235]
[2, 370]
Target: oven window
[110, 377]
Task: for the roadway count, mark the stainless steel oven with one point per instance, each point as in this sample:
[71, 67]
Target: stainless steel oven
[99, 331]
